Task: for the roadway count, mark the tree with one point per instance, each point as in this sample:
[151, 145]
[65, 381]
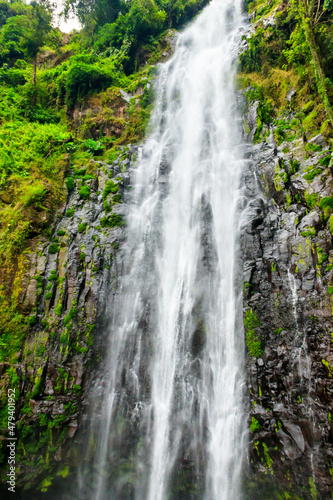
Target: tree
[314, 15]
[10, 9]
[98, 11]
[10, 39]
[179, 11]
[145, 18]
[24, 35]
[37, 29]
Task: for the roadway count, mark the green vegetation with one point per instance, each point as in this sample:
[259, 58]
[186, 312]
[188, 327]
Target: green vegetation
[310, 231]
[328, 367]
[312, 173]
[37, 99]
[311, 199]
[294, 53]
[84, 192]
[251, 322]
[254, 425]
[70, 212]
[120, 28]
[53, 248]
[82, 227]
[313, 489]
[70, 183]
[331, 224]
[71, 315]
[112, 220]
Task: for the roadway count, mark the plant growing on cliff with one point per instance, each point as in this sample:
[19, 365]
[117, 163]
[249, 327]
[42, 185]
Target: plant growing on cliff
[84, 192]
[255, 425]
[93, 147]
[112, 220]
[315, 14]
[70, 212]
[70, 183]
[53, 248]
[82, 227]
[84, 79]
[251, 322]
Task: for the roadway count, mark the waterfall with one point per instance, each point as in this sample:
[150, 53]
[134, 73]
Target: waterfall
[172, 420]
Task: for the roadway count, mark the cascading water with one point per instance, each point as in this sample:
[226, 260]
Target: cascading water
[173, 418]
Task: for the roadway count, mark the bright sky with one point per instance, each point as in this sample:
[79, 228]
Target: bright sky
[65, 26]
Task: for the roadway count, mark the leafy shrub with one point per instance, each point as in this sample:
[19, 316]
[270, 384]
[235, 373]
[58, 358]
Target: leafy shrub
[32, 320]
[71, 314]
[77, 389]
[70, 184]
[82, 227]
[64, 338]
[70, 212]
[71, 147]
[325, 160]
[80, 172]
[83, 80]
[93, 147]
[87, 177]
[313, 147]
[84, 192]
[254, 425]
[58, 308]
[298, 52]
[35, 196]
[53, 276]
[53, 248]
[112, 221]
[294, 166]
[12, 77]
[280, 133]
[311, 199]
[327, 201]
[264, 47]
[61, 232]
[116, 198]
[110, 187]
[312, 174]
[24, 147]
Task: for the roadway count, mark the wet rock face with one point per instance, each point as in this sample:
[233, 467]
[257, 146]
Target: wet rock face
[287, 272]
[68, 280]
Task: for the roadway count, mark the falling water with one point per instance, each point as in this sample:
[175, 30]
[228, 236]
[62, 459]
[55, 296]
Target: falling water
[301, 357]
[173, 410]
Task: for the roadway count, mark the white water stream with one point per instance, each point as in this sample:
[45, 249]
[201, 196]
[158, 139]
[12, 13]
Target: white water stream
[175, 364]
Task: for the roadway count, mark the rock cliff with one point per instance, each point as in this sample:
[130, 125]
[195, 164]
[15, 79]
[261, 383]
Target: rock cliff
[63, 282]
[67, 283]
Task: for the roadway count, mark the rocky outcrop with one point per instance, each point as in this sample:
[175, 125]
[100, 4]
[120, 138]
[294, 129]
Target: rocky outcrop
[288, 262]
[67, 281]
